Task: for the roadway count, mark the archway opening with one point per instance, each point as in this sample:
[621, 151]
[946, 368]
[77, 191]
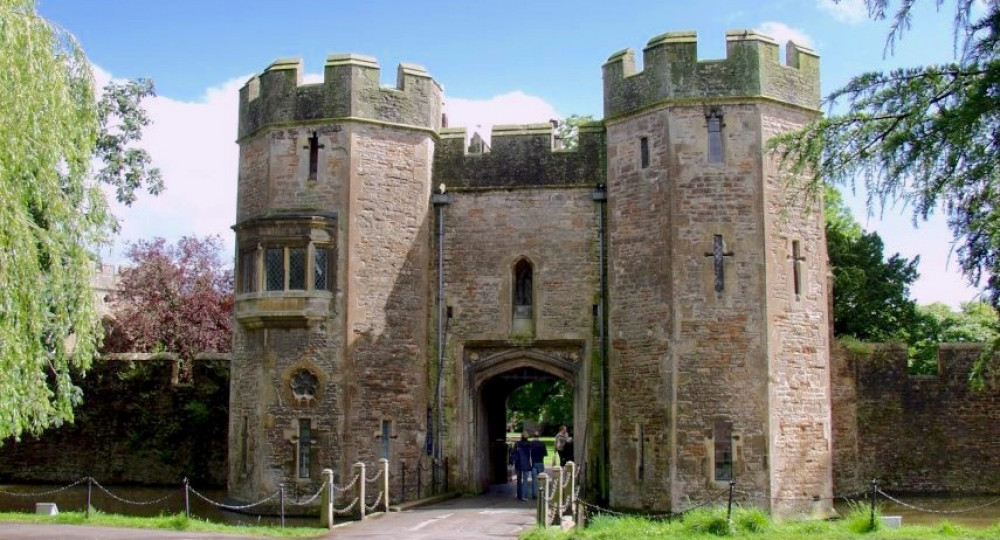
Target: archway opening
[523, 399]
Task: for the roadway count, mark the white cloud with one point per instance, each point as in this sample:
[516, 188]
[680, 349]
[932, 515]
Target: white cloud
[782, 33]
[845, 11]
[511, 108]
[193, 144]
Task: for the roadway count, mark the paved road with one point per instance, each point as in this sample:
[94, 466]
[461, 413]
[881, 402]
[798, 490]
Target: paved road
[494, 515]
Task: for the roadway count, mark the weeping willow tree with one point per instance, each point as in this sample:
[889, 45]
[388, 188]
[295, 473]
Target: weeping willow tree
[53, 212]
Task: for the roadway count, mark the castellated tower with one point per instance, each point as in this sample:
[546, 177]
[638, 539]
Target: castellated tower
[719, 354]
[661, 273]
[332, 300]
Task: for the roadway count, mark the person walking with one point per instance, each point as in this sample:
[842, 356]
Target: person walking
[520, 458]
[538, 453]
[564, 446]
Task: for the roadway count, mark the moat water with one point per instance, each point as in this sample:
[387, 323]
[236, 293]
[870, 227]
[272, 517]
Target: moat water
[970, 511]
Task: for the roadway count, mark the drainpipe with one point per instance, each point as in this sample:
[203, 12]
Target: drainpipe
[600, 195]
[439, 200]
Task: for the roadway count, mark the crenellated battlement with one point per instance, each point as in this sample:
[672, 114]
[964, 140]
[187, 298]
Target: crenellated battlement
[521, 155]
[350, 89]
[671, 71]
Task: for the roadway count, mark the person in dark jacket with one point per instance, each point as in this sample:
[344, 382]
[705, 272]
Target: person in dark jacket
[538, 453]
[520, 458]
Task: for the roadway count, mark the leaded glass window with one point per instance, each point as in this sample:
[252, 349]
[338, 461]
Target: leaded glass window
[723, 435]
[275, 269]
[715, 138]
[297, 269]
[305, 442]
[321, 269]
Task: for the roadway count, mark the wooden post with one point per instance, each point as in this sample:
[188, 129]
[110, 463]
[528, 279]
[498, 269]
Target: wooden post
[359, 472]
[385, 482]
[558, 472]
[542, 500]
[326, 503]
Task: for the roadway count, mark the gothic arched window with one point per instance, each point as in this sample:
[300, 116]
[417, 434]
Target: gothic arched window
[523, 292]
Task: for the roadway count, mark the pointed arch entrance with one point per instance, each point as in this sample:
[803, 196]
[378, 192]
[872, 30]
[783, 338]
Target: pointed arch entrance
[492, 373]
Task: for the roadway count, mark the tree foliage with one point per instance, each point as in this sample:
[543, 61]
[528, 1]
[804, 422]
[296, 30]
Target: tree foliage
[926, 135]
[546, 402]
[53, 212]
[173, 298]
[568, 129]
[871, 293]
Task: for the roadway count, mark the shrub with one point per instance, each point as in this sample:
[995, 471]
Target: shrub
[708, 520]
[859, 518]
[751, 519]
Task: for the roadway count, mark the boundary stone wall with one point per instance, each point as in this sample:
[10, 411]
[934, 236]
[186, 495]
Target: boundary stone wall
[916, 433]
[135, 426]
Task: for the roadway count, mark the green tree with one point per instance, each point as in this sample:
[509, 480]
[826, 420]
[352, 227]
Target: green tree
[548, 402]
[925, 135]
[976, 322]
[569, 129]
[54, 212]
[871, 294]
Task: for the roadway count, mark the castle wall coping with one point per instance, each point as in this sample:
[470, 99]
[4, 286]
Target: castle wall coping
[337, 120]
[672, 70]
[501, 130]
[699, 102]
[342, 59]
[452, 133]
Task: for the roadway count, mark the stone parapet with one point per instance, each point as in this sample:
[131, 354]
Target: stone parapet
[350, 89]
[671, 71]
[521, 155]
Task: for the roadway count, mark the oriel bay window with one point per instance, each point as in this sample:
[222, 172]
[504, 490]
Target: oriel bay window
[286, 269]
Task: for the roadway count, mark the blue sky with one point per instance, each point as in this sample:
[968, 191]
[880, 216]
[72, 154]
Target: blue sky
[499, 62]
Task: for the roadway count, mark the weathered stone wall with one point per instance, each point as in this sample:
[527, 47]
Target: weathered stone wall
[720, 350]
[387, 292]
[520, 156]
[672, 72]
[486, 233]
[919, 433]
[135, 427]
[641, 321]
[350, 89]
[797, 332]
[688, 353]
[368, 348]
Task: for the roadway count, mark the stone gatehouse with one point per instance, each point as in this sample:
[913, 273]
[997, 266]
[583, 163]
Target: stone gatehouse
[394, 286]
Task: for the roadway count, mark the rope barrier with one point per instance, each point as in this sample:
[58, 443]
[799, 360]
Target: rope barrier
[376, 477]
[348, 486]
[374, 504]
[233, 507]
[348, 509]
[127, 501]
[43, 493]
[307, 501]
[930, 511]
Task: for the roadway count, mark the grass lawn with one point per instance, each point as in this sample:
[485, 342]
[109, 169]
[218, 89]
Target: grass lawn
[756, 524]
[171, 522]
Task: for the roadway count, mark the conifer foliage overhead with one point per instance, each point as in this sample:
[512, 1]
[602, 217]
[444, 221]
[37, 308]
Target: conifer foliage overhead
[926, 135]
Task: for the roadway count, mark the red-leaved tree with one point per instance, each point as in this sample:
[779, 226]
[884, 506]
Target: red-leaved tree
[176, 299]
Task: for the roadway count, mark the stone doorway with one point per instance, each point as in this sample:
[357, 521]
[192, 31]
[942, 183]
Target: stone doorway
[492, 373]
